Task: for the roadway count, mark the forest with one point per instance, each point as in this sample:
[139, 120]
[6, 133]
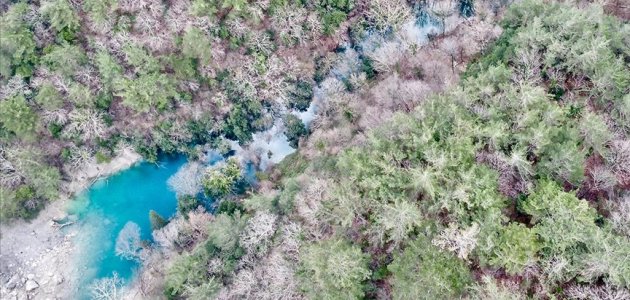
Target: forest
[467, 149]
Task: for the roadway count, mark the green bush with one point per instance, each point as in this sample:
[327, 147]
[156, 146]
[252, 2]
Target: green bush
[333, 269]
[515, 248]
[157, 221]
[61, 15]
[65, 59]
[422, 271]
[17, 116]
[295, 129]
[48, 97]
[17, 43]
[300, 95]
[221, 182]
[187, 203]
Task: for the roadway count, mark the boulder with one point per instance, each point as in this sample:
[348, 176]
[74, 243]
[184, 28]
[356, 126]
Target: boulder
[13, 281]
[31, 285]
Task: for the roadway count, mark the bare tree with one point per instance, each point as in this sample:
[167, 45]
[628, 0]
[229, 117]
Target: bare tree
[257, 235]
[384, 14]
[460, 241]
[109, 288]
[128, 243]
[85, 123]
[187, 180]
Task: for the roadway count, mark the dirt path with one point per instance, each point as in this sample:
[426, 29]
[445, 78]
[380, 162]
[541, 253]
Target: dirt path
[36, 257]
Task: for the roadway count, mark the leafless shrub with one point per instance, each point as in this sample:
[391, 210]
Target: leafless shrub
[79, 158]
[387, 56]
[109, 288]
[603, 179]
[596, 292]
[256, 237]
[10, 176]
[288, 22]
[15, 86]
[620, 215]
[260, 42]
[460, 241]
[384, 14]
[85, 123]
[493, 290]
[272, 278]
[619, 160]
[308, 203]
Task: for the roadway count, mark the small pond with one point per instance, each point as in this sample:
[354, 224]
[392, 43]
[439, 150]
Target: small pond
[108, 205]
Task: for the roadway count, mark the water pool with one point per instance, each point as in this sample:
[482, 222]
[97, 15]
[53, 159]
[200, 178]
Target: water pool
[108, 205]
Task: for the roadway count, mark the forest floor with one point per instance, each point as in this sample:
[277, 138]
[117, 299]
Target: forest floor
[36, 256]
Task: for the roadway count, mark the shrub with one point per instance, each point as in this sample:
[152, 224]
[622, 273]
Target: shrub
[295, 129]
[157, 221]
[48, 97]
[65, 59]
[187, 203]
[61, 15]
[422, 271]
[300, 96]
[221, 182]
[17, 43]
[148, 92]
[333, 269]
[515, 248]
[195, 44]
[17, 117]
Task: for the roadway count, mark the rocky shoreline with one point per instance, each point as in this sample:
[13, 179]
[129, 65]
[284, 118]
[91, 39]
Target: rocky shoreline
[37, 256]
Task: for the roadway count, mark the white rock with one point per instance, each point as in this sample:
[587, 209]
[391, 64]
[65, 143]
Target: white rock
[31, 285]
[58, 279]
[30, 276]
[13, 281]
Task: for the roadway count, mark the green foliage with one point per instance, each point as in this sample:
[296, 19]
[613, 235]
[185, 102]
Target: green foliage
[9, 207]
[65, 59]
[188, 272]
[295, 129]
[332, 20]
[17, 43]
[108, 67]
[147, 92]
[229, 207]
[48, 97]
[17, 117]
[342, 5]
[221, 182]
[81, 95]
[241, 121]
[224, 236]
[141, 60]
[424, 272]
[292, 165]
[157, 221]
[98, 9]
[45, 180]
[195, 44]
[515, 248]
[501, 51]
[61, 15]
[300, 96]
[333, 269]
[187, 203]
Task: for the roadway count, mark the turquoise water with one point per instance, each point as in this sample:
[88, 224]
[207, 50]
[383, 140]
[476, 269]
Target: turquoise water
[108, 205]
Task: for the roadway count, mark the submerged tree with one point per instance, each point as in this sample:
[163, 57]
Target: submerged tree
[108, 288]
[128, 243]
